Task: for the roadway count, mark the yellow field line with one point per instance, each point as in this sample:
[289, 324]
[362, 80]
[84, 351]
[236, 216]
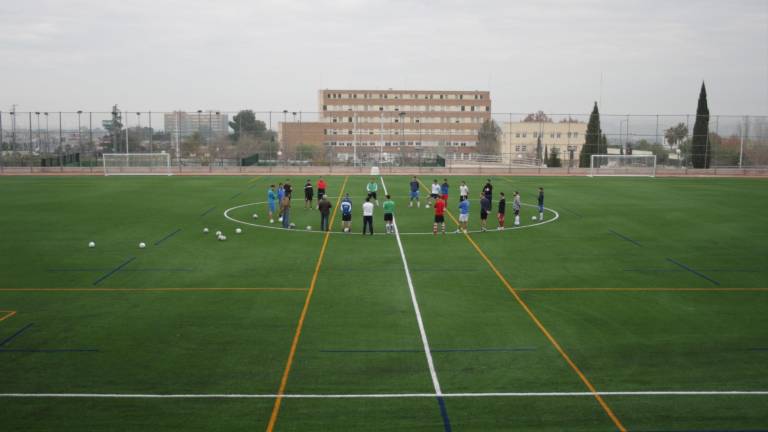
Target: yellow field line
[300, 325]
[544, 330]
[643, 289]
[147, 289]
[254, 179]
[7, 315]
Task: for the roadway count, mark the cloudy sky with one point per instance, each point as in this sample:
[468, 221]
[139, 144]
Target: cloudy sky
[275, 55]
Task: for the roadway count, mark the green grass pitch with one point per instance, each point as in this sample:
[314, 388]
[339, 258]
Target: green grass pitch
[647, 285]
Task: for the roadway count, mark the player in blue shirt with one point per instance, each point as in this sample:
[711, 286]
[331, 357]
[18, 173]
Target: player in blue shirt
[346, 213]
[463, 214]
[272, 201]
[414, 192]
[444, 190]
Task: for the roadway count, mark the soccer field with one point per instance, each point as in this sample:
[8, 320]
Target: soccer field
[637, 304]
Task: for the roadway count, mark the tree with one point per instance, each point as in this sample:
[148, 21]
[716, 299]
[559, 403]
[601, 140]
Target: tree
[538, 147]
[245, 123]
[554, 159]
[537, 117]
[191, 144]
[595, 142]
[488, 138]
[676, 134]
[700, 149]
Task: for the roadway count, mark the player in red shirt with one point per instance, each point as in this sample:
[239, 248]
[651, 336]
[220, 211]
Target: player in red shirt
[320, 188]
[439, 215]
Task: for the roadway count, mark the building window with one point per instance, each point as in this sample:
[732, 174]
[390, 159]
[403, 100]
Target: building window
[488, 108]
[463, 108]
[575, 134]
[535, 134]
[525, 147]
[472, 108]
[517, 135]
[525, 134]
[558, 134]
[517, 148]
[552, 135]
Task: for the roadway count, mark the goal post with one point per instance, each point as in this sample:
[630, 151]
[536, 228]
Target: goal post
[622, 165]
[137, 164]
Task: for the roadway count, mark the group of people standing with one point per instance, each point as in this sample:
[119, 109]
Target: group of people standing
[438, 199]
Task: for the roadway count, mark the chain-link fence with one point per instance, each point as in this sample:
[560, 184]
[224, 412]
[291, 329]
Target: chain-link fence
[237, 141]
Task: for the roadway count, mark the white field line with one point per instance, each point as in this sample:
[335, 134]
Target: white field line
[299, 230]
[386, 395]
[424, 341]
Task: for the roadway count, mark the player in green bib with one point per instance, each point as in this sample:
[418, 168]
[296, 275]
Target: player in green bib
[372, 188]
[389, 214]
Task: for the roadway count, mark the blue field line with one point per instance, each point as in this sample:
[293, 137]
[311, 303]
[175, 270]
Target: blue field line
[18, 333]
[60, 270]
[114, 270]
[758, 349]
[650, 270]
[636, 243]
[47, 351]
[167, 236]
[207, 211]
[444, 414]
[236, 195]
[572, 211]
[438, 350]
[701, 275]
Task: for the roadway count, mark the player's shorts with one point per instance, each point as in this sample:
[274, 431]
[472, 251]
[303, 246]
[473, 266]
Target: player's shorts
[320, 193]
[308, 195]
[387, 217]
[541, 208]
[346, 217]
[414, 194]
[464, 217]
[464, 196]
[433, 196]
[372, 195]
[500, 217]
[439, 218]
[445, 197]
[483, 214]
[517, 212]
[272, 206]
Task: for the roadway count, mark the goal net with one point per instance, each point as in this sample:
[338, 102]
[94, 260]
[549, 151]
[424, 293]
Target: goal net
[623, 165]
[137, 164]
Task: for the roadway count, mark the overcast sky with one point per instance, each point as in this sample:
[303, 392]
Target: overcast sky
[275, 55]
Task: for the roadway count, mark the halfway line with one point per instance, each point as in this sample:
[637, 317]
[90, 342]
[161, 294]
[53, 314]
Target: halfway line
[420, 322]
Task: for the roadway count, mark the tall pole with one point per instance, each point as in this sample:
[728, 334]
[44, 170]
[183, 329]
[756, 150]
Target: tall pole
[29, 149]
[141, 132]
[741, 143]
[39, 138]
[79, 134]
[381, 131]
[47, 135]
[90, 133]
[13, 127]
[151, 132]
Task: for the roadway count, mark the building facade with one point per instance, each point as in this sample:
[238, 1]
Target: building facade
[389, 121]
[520, 139]
[183, 124]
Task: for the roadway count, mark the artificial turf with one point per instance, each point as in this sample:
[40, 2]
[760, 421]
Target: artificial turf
[647, 284]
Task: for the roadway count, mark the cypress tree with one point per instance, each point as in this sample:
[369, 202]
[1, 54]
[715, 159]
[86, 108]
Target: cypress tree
[595, 142]
[700, 151]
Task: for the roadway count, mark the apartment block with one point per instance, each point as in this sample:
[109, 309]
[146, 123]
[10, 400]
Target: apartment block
[392, 120]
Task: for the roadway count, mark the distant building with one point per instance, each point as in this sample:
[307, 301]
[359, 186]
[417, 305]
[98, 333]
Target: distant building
[183, 124]
[519, 139]
[389, 121]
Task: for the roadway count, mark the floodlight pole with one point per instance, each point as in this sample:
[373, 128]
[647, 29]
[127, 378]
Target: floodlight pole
[79, 135]
[741, 141]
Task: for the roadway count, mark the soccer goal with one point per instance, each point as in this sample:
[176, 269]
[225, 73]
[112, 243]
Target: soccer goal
[623, 165]
[137, 164]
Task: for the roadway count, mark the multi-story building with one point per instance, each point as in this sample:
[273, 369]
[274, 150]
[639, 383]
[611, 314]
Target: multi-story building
[389, 121]
[520, 139]
[183, 124]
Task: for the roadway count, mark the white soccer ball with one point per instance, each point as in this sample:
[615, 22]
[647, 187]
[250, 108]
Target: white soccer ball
[280, 219]
[533, 217]
[346, 229]
[205, 230]
[309, 228]
[218, 233]
[222, 237]
[426, 206]
[292, 225]
[271, 221]
[142, 245]
[92, 244]
[255, 216]
[238, 230]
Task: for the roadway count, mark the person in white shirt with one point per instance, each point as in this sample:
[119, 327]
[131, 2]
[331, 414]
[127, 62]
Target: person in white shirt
[463, 190]
[434, 194]
[368, 215]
